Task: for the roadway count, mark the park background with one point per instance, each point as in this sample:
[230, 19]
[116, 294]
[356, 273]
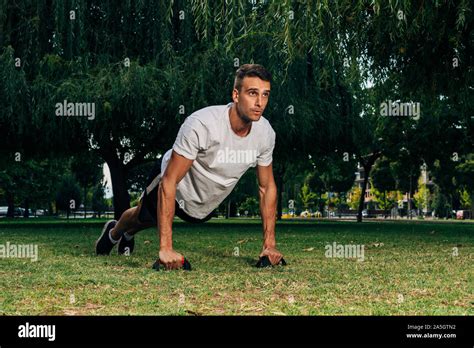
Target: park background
[147, 64]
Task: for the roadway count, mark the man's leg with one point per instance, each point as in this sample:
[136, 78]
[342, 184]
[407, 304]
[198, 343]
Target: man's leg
[129, 223]
[132, 220]
[121, 232]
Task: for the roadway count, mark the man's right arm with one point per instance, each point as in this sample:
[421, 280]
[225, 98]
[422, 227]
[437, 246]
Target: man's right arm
[176, 169]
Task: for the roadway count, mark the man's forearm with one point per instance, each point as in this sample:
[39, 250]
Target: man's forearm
[268, 204]
[165, 213]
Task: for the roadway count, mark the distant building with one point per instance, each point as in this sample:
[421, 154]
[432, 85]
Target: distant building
[369, 197]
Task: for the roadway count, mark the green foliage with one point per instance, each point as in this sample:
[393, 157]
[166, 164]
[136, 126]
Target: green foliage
[333, 63]
[441, 206]
[354, 197]
[386, 200]
[33, 180]
[14, 103]
[246, 187]
[307, 197]
[337, 174]
[87, 170]
[68, 196]
[466, 200]
[382, 176]
[251, 206]
[423, 196]
[465, 175]
[99, 203]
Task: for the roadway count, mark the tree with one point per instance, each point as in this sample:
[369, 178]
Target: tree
[99, 204]
[245, 188]
[87, 170]
[317, 185]
[68, 197]
[145, 67]
[386, 200]
[367, 163]
[382, 175]
[465, 179]
[354, 197]
[249, 207]
[29, 183]
[338, 174]
[307, 197]
[466, 202]
[422, 197]
[441, 206]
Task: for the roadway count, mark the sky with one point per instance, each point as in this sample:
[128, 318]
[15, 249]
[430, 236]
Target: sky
[108, 180]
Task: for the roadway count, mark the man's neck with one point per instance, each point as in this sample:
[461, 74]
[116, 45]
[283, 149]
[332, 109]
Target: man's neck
[239, 126]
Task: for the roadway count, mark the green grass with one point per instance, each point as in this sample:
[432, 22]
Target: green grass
[409, 269]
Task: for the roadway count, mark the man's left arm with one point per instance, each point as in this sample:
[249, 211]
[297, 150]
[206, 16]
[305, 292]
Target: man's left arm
[268, 204]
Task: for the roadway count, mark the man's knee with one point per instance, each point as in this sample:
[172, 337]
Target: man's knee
[136, 218]
[134, 214]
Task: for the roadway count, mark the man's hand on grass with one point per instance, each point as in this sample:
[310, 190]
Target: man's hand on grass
[171, 259]
[273, 254]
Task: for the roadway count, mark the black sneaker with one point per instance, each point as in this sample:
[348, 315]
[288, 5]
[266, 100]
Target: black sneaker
[125, 247]
[103, 245]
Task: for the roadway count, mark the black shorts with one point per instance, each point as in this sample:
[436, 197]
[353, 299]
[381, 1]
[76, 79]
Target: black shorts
[149, 200]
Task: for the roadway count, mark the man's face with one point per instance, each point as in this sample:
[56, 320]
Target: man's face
[252, 98]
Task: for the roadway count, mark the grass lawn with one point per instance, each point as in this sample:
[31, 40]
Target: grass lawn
[409, 269]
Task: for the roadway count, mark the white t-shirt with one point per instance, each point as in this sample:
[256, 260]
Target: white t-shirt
[220, 157]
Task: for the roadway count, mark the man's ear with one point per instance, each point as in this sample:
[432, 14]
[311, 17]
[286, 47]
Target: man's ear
[235, 95]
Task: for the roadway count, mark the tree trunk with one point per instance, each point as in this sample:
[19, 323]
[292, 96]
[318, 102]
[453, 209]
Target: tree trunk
[362, 195]
[50, 208]
[320, 204]
[119, 187]
[227, 213]
[367, 168]
[231, 209]
[26, 214]
[11, 205]
[471, 210]
[280, 195]
[84, 204]
[409, 201]
[338, 206]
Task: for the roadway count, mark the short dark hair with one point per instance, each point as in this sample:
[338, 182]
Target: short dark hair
[251, 70]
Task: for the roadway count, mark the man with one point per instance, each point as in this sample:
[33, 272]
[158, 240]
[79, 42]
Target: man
[214, 147]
